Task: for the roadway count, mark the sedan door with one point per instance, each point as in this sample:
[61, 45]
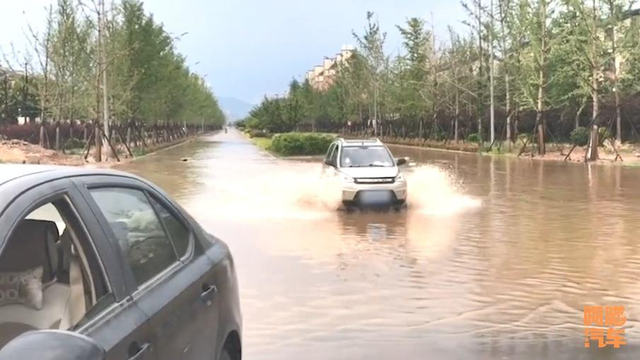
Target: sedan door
[109, 316]
[170, 277]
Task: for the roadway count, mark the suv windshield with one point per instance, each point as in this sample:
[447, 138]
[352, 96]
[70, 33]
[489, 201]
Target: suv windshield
[363, 156]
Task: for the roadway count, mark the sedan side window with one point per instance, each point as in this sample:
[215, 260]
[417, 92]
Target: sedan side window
[180, 236]
[140, 234]
[50, 277]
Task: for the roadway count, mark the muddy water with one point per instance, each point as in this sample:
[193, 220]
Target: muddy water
[494, 258]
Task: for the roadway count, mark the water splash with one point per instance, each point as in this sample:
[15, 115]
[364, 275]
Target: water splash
[297, 190]
[273, 190]
[435, 191]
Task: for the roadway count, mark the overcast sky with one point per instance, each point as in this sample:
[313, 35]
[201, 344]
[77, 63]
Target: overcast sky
[249, 48]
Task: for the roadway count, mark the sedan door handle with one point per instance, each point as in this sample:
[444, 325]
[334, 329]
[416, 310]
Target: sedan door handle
[208, 291]
[141, 352]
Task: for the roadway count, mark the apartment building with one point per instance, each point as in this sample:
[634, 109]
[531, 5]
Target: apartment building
[322, 76]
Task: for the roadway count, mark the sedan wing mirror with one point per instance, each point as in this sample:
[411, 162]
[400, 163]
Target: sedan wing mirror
[401, 161]
[52, 345]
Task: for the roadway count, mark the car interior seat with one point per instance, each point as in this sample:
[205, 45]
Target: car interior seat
[32, 244]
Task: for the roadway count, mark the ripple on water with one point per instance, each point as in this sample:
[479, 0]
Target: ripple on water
[493, 257]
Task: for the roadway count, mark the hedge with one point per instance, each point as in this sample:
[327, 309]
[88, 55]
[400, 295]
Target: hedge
[295, 144]
[259, 134]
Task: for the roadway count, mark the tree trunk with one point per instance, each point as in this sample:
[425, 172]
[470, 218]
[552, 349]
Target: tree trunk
[618, 118]
[516, 122]
[541, 80]
[456, 118]
[482, 70]
[58, 135]
[592, 148]
[129, 134]
[616, 90]
[579, 113]
[97, 134]
[506, 62]
[540, 127]
[492, 132]
[41, 135]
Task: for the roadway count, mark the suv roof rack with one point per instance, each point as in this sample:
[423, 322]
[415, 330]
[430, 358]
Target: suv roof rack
[372, 141]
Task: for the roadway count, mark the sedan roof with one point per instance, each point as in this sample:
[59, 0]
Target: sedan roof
[17, 178]
[13, 171]
[10, 173]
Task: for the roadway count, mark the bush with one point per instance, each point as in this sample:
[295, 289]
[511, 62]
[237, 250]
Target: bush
[139, 151]
[496, 149]
[438, 135]
[259, 134]
[580, 136]
[74, 144]
[474, 138]
[522, 138]
[603, 135]
[291, 144]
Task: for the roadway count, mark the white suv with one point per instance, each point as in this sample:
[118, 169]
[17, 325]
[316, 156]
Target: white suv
[368, 173]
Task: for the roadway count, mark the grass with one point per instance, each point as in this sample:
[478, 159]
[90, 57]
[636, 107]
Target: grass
[74, 151]
[263, 143]
[139, 151]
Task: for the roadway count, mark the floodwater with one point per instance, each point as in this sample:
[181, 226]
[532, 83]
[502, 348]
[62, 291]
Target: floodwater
[494, 258]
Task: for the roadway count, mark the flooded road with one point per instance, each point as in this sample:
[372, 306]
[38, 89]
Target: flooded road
[495, 258]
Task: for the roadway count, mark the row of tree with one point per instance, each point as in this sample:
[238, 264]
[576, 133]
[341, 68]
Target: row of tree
[525, 68]
[106, 64]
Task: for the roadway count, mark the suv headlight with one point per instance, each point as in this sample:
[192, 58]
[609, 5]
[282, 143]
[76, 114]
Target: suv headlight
[346, 178]
[400, 177]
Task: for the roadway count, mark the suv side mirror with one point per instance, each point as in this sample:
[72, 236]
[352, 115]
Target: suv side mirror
[52, 345]
[328, 162]
[401, 161]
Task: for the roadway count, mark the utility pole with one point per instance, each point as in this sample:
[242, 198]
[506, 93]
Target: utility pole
[491, 82]
[103, 69]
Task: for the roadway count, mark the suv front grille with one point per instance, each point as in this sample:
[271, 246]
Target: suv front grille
[385, 180]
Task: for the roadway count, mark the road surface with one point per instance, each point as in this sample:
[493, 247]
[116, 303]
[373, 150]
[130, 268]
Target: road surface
[495, 258]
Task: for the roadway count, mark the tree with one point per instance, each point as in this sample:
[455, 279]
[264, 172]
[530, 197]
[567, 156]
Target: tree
[413, 93]
[534, 19]
[376, 69]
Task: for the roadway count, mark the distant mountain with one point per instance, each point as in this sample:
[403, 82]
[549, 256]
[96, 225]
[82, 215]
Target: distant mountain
[235, 109]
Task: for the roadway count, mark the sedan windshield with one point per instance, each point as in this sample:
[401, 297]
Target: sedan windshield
[363, 156]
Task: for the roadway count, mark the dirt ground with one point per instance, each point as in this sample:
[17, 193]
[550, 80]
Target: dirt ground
[20, 152]
[630, 154]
